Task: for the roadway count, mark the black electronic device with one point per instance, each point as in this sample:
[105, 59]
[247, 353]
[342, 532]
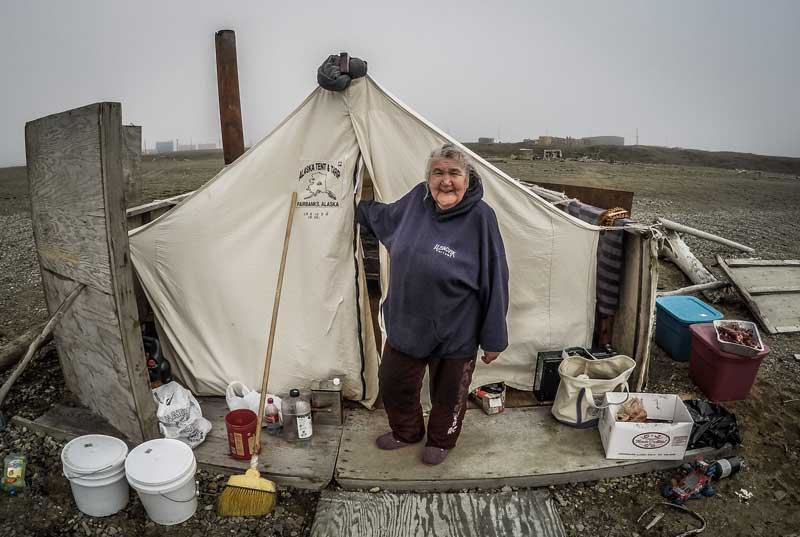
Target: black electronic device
[546, 378]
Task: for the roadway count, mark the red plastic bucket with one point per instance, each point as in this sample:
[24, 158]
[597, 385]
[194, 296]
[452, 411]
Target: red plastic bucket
[241, 427]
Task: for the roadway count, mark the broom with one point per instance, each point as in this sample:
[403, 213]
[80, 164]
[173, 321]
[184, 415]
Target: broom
[250, 494]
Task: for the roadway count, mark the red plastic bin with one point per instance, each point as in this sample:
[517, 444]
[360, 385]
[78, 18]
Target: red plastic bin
[723, 376]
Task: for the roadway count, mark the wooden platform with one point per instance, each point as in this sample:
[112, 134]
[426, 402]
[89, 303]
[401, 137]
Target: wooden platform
[307, 465]
[479, 514]
[522, 447]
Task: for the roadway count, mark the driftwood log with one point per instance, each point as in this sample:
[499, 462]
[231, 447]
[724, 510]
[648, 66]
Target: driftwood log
[674, 226]
[38, 341]
[675, 250]
[694, 289]
[11, 352]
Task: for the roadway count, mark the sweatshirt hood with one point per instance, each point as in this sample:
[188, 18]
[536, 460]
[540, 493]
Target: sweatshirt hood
[472, 196]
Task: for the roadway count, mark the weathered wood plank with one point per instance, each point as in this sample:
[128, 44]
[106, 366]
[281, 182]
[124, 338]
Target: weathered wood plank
[131, 160]
[67, 212]
[522, 447]
[78, 208]
[633, 322]
[305, 465]
[68, 422]
[762, 318]
[157, 204]
[763, 262]
[769, 290]
[605, 198]
[480, 514]
[772, 276]
[782, 310]
[122, 269]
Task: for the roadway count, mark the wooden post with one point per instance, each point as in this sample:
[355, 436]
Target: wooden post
[78, 216]
[230, 110]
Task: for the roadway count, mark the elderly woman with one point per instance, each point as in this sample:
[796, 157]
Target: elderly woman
[448, 295]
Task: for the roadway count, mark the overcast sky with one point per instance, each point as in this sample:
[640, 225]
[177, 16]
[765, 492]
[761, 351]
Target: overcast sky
[718, 75]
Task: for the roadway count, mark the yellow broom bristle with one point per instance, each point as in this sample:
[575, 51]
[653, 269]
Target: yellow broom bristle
[247, 495]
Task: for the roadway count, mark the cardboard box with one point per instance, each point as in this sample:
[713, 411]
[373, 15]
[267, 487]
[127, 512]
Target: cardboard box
[628, 440]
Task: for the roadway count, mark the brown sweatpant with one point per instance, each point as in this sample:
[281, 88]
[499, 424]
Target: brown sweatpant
[401, 378]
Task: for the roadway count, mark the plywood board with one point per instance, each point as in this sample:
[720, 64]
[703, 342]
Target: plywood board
[307, 465]
[770, 289]
[521, 447]
[605, 198]
[78, 214]
[633, 324]
[66, 422]
[478, 514]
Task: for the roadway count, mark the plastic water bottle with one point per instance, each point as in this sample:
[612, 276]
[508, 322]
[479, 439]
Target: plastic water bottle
[296, 417]
[272, 418]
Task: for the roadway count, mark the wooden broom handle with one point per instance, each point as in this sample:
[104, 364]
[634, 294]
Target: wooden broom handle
[275, 305]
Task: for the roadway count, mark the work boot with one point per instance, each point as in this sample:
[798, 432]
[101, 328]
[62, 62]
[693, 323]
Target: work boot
[388, 442]
[433, 455]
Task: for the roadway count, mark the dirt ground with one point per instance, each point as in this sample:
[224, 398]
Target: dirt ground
[758, 209]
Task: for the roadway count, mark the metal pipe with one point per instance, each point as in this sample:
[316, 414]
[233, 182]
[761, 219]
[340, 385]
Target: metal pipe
[230, 110]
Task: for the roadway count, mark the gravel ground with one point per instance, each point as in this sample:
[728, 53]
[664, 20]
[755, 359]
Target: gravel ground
[761, 210]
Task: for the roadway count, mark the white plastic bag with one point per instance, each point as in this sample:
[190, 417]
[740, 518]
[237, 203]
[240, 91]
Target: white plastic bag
[179, 415]
[237, 395]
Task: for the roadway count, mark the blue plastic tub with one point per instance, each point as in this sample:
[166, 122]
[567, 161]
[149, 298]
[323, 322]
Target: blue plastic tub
[674, 315]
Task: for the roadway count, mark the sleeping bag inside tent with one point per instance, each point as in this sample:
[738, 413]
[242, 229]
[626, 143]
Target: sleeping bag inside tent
[208, 267]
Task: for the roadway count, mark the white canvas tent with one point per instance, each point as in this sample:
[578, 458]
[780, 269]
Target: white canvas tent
[209, 266]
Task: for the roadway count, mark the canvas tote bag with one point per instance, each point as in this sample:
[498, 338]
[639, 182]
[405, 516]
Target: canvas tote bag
[583, 385]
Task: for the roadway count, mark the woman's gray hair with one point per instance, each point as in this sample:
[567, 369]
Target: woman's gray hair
[452, 152]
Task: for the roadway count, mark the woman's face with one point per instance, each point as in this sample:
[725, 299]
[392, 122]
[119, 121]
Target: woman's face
[447, 182]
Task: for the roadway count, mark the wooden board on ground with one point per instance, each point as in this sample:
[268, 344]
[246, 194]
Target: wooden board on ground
[478, 514]
[307, 465]
[67, 422]
[770, 289]
[523, 447]
[74, 162]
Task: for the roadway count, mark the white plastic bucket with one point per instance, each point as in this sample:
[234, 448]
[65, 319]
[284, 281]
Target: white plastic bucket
[162, 472]
[94, 464]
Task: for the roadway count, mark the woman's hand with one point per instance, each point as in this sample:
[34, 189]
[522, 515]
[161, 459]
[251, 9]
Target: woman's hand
[489, 357]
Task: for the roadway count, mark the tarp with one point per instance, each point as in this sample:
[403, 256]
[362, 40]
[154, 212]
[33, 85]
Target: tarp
[209, 266]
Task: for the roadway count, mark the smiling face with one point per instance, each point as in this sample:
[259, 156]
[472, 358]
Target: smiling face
[447, 182]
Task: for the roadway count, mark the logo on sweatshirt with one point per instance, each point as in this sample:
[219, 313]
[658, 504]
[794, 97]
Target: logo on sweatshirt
[444, 250]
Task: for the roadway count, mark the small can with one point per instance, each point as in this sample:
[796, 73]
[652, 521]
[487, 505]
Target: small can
[491, 397]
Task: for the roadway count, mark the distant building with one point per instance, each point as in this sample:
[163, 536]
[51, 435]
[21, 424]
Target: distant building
[557, 140]
[552, 154]
[186, 147]
[165, 147]
[604, 140]
[206, 146]
[485, 140]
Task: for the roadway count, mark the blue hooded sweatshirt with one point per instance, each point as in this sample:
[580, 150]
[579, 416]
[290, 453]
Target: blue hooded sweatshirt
[448, 284]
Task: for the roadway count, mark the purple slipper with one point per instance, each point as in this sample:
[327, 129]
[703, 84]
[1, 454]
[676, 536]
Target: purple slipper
[434, 455]
[387, 441]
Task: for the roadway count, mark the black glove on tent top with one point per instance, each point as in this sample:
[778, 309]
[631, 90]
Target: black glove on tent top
[336, 72]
